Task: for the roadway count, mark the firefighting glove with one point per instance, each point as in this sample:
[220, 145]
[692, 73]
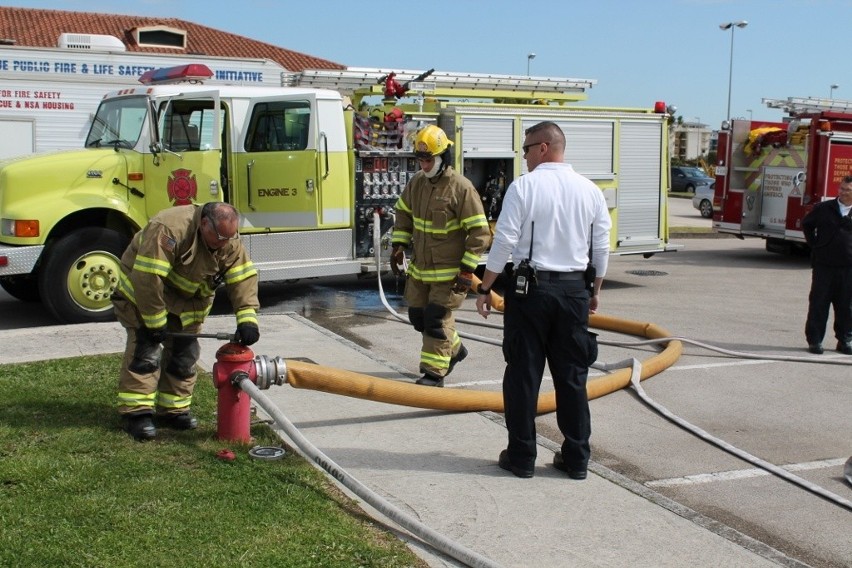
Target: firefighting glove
[397, 260]
[247, 334]
[463, 282]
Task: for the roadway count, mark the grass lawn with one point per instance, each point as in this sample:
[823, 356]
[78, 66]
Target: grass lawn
[77, 491]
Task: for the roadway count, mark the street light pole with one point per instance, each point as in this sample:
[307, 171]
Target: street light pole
[530, 57]
[724, 27]
[748, 110]
[831, 91]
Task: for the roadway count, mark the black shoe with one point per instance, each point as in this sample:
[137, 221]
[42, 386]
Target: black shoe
[183, 421]
[430, 380]
[816, 348]
[559, 463]
[844, 348]
[139, 426]
[458, 358]
[504, 463]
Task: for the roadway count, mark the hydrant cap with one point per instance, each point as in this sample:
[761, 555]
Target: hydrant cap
[234, 353]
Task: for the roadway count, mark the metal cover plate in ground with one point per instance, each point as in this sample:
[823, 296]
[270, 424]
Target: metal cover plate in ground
[267, 452]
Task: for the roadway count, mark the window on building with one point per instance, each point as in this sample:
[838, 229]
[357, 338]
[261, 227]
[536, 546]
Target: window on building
[160, 36]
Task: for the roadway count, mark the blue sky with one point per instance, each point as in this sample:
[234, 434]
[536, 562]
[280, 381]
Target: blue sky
[639, 51]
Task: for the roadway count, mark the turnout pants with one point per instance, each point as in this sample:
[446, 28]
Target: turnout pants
[154, 379]
[549, 324]
[430, 309]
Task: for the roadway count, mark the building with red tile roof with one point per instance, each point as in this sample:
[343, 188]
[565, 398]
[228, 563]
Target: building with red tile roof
[26, 27]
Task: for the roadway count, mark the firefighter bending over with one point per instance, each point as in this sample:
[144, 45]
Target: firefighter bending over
[440, 221]
[170, 272]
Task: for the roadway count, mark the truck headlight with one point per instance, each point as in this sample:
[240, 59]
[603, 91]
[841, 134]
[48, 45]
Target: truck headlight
[19, 227]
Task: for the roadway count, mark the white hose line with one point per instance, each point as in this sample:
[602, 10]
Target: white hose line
[738, 354]
[415, 527]
[635, 377]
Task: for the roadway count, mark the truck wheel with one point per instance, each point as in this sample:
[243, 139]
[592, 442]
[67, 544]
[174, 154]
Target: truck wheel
[23, 288]
[79, 273]
[778, 246]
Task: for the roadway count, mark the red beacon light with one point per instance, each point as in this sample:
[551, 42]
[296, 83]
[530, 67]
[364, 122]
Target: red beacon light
[660, 107]
[191, 73]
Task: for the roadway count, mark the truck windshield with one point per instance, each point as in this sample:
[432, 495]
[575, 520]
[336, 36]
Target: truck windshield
[118, 122]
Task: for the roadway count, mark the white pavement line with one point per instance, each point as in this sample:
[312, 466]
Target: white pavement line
[741, 473]
[725, 364]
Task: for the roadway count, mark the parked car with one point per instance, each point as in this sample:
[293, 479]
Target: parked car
[703, 199]
[688, 178]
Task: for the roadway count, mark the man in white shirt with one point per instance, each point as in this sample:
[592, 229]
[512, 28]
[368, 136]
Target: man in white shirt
[551, 217]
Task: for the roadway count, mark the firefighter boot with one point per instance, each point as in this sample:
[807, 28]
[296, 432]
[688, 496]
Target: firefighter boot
[457, 358]
[430, 380]
[182, 421]
[139, 426]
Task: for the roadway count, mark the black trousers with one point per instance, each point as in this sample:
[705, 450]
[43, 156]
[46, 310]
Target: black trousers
[549, 324]
[831, 286]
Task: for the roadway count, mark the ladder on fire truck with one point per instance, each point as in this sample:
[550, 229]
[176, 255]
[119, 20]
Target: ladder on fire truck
[795, 106]
[369, 81]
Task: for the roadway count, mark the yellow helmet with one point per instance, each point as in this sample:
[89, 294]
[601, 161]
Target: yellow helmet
[430, 141]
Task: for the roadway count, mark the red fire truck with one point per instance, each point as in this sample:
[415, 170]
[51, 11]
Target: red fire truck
[770, 174]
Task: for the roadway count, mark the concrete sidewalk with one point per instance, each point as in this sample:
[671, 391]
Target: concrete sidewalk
[441, 467]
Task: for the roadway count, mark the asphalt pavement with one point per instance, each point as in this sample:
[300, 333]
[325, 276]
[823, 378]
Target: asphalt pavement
[441, 467]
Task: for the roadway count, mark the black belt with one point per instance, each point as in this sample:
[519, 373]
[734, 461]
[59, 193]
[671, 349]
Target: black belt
[550, 275]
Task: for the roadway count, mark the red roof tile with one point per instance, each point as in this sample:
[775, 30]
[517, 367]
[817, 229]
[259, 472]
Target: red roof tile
[42, 28]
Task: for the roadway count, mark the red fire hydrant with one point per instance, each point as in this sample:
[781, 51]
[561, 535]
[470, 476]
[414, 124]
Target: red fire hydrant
[234, 363]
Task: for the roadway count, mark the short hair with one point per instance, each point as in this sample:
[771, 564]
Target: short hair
[551, 131]
[218, 212]
[846, 179]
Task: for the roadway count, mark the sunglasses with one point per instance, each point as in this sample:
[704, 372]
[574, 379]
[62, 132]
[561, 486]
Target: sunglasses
[527, 147]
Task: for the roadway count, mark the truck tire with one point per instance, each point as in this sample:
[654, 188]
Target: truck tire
[79, 273]
[23, 288]
[778, 246]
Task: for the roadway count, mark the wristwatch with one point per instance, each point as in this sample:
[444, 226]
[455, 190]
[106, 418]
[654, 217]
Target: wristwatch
[484, 291]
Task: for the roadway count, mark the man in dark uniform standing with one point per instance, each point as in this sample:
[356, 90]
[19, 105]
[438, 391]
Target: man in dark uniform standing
[828, 231]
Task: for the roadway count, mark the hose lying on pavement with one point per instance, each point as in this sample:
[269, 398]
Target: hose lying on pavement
[636, 367]
[415, 527]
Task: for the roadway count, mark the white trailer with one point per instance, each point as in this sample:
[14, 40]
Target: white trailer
[49, 95]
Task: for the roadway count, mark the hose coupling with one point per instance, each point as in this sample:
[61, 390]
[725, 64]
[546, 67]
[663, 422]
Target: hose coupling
[237, 377]
[270, 371]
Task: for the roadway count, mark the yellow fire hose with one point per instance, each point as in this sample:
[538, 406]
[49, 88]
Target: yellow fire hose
[356, 385]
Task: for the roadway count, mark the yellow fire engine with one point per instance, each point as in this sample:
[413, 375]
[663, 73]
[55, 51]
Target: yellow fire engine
[307, 165]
